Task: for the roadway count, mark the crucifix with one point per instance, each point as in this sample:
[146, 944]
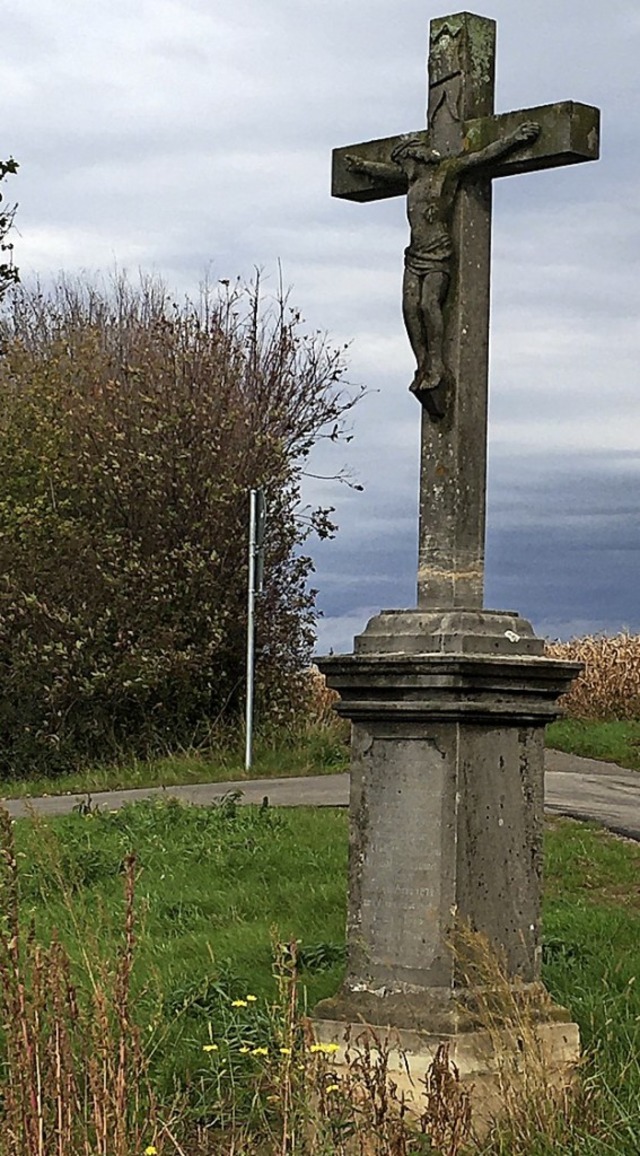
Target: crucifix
[448, 702]
[445, 172]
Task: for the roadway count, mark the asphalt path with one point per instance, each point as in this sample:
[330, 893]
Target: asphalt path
[579, 788]
[590, 789]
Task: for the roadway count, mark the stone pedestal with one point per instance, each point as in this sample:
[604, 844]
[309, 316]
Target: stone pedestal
[446, 815]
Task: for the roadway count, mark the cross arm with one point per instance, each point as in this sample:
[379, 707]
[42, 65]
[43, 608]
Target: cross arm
[569, 133]
[359, 186]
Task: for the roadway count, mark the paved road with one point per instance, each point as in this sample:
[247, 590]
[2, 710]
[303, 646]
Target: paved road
[590, 789]
[580, 788]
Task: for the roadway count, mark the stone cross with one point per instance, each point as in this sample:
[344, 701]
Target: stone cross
[448, 702]
[446, 174]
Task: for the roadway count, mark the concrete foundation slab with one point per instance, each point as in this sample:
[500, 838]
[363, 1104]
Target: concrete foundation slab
[489, 1064]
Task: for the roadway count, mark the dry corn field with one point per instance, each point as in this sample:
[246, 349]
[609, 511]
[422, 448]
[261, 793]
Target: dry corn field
[608, 688]
[321, 700]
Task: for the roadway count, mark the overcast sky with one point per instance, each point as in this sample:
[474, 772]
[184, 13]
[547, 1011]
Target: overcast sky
[186, 136]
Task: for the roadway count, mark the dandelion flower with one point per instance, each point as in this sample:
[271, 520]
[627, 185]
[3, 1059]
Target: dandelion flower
[209, 1047]
[251, 998]
[238, 1003]
[260, 1052]
[151, 1150]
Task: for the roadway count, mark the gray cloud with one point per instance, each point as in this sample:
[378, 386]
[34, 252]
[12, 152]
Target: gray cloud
[183, 136]
[563, 545]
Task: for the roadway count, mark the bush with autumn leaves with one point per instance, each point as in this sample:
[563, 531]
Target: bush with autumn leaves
[131, 430]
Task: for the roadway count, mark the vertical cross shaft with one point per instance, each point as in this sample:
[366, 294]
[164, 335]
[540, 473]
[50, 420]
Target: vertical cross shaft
[445, 173]
[454, 449]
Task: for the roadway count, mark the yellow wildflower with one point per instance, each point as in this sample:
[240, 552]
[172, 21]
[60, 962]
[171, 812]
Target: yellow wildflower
[260, 1052]
[285, 1051]
[244, 1049]
[151, 1150]
[209, 1047]
[332, 1088]
[251, 998]
[326, 1049]
[238, 1003]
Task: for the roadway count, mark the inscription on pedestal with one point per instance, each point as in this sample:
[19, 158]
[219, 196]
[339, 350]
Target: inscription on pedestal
[444, 821]
[407, 791]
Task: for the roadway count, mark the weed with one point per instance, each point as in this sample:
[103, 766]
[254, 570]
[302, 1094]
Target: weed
[74, 1077]
[223, 1073]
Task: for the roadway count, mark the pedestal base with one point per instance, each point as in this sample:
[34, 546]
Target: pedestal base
[443, 1011]
[448, 709]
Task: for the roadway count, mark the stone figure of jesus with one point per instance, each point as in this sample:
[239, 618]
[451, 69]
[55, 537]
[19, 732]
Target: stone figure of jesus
[433, 182]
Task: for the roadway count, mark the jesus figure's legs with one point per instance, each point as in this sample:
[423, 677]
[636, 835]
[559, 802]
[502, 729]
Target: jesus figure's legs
[433, 294]
[412, 314]
[423, 296]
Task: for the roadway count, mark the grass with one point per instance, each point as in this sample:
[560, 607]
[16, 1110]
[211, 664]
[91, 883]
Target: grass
[217, 886]
[592, 966]
[318, 750]
[213, 884]
[614, 742]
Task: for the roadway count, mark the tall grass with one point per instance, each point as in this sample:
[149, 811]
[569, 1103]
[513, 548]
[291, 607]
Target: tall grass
[73, 1078]
[212, 1035]
[75, 1065]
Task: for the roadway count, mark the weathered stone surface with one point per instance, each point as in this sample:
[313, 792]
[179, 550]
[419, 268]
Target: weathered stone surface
[570, 134]
[451, 527]
[448, 632]
[474, 1053]
[449, 687]
[445, 817]
[485, 1061]
[448, 702]
[454, 305]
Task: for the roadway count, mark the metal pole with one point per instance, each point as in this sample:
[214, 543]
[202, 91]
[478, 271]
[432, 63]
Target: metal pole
[251, 600]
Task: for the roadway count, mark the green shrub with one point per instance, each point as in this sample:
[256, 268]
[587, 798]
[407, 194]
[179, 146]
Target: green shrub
[130, 433]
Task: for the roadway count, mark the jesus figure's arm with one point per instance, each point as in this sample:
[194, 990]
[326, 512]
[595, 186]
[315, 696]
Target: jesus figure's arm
[378, 169]
[526, 132]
